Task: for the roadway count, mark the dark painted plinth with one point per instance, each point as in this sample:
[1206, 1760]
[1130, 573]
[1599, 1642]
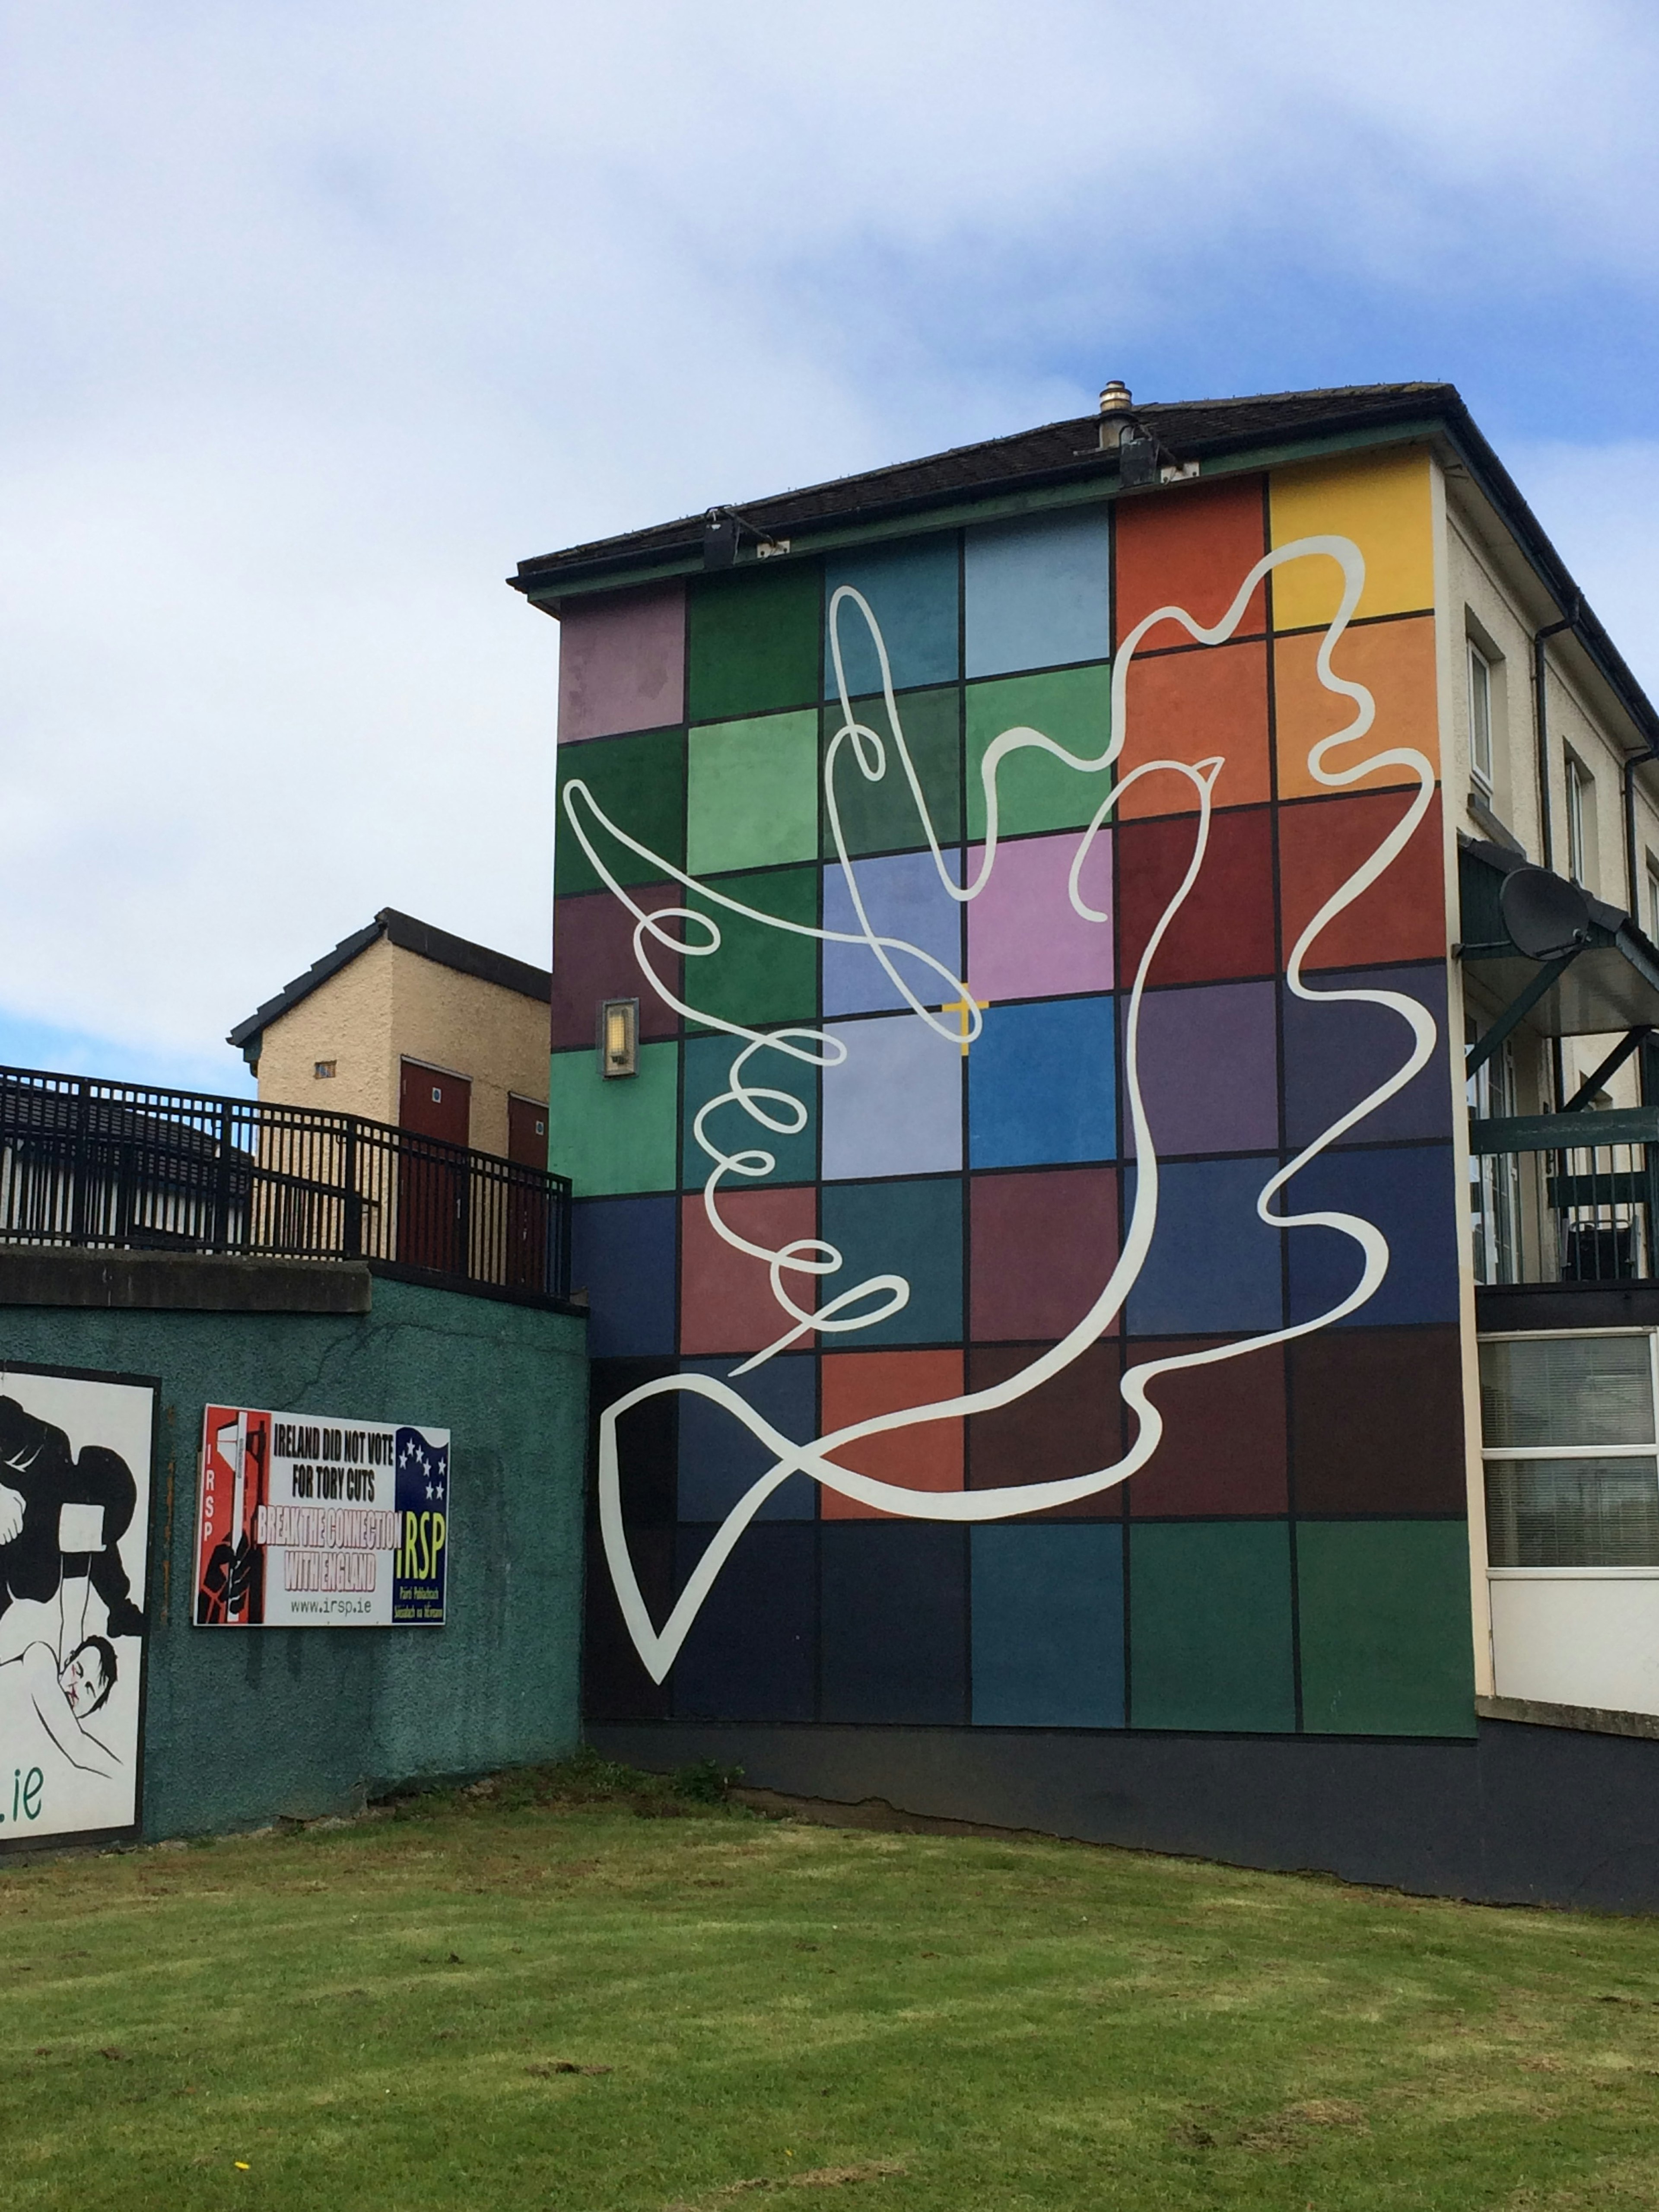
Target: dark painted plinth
[1517, 1816]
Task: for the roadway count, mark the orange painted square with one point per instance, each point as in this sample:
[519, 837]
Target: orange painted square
[1190, 546]
[1190, 707]
[725, 1297]
[1403, 915]
[856, 1385]
[1396, 662]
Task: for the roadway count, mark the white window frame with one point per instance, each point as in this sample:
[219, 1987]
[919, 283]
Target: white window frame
[1572, 1451]
[1579, 783]
[1653, 898]
[1479, 672]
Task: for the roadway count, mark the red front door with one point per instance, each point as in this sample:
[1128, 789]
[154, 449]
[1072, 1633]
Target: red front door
[432, 1183]
[526, 1210]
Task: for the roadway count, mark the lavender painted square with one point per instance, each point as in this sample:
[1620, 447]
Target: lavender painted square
[1208, 1069]
[622, 664]
[904, 897]
[1026, 940]
[893, 1106]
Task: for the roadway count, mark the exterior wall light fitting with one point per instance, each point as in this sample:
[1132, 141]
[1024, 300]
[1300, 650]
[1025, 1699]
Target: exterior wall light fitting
[619, 1037]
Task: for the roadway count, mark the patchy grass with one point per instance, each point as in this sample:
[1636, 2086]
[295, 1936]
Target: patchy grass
[527, 1995]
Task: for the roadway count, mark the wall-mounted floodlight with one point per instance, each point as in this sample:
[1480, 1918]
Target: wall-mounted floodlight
[619, 1036]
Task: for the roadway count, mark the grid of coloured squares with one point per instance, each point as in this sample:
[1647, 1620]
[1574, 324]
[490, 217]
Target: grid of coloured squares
[1294, 1556]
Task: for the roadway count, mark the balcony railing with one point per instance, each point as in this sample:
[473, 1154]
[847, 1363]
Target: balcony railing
[1566, 1198]
[130, 1167]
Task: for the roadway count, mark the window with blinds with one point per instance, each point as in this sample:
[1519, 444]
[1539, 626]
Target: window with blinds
[1568, 1442]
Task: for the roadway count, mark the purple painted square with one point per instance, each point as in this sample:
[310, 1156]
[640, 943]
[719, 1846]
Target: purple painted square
[893, 1106]
[1208, 1069]
[622, 664]
[1338, 1052]
[1026, 940]
[904, 897]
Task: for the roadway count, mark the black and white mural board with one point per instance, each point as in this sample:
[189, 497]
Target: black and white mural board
[76, 1471]
[315, 1520]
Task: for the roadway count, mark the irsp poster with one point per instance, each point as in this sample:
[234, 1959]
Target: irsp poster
[306, 1520]
[75, 1491]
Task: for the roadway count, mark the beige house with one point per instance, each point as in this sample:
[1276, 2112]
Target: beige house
[402, 1022]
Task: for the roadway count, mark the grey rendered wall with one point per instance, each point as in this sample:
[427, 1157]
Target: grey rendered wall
[243, 1726]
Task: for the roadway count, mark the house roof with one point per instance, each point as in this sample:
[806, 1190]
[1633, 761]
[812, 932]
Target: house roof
[1069, 453]
[404, 931]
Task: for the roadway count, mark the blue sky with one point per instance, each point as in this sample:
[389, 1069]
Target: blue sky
[315, 318]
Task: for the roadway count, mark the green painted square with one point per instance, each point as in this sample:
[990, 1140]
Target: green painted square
[1384, 1611]
[708, 1075]
[1074, 706]
[751, 798]
[1210, 1626]
[761, 976]
[752, 641]
[613, 1134]
[882, 817]
[639, 781]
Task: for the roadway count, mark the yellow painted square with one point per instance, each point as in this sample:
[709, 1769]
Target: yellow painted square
[1381, 501]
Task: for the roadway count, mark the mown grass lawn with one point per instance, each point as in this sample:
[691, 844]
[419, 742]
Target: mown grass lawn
[378, 2015]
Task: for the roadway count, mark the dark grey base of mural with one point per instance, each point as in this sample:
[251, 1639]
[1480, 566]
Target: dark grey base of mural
[1519, 1815]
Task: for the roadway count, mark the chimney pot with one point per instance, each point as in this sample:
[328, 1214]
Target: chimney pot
[1116, 399]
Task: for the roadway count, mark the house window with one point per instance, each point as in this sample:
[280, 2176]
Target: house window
[1579, 788]
[1481, 718]
[324, 1069]
[1568, 1441]
[1653, 898]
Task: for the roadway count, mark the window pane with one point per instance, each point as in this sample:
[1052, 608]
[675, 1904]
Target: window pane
[1480, 716]
[1566, 1391]
[1572, 1512]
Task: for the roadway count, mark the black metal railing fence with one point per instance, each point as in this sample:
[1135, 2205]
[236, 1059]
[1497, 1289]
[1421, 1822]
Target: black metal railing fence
[1566, 1198]
[122, 1166]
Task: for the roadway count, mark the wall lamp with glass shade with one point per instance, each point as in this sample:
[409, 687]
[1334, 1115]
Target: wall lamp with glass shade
[619, 1036]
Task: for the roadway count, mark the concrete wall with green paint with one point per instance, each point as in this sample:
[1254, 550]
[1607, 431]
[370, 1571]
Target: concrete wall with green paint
[242, 1727]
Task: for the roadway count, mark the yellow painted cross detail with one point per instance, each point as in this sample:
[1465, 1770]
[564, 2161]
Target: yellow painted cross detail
[965, 1008]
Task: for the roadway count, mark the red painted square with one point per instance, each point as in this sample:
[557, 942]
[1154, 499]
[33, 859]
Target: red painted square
[1403, 915]
[725, 1297]
[1066, 1427]
[857, 1385]
[1225, 1449]
[1191, 547]
[593, 960]
[1225, 928]
[1043, 1246]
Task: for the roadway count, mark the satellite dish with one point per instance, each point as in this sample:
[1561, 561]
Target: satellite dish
[1545, 915]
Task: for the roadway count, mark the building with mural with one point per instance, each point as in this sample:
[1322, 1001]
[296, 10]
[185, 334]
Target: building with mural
[1100, 992]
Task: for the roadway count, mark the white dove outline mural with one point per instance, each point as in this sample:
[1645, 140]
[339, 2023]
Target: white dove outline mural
[778, 1112]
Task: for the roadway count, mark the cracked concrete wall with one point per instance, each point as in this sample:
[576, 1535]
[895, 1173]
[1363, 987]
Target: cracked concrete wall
[244, 1727]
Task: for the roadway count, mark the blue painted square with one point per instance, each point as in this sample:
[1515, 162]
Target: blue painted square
[903, 898]
[914, 593]
[912, 1229]
[1334, 1053]
[622, 1254]
[893, 1106]
[894, 1622]
[731, 1128]
[1048, 1626]
[1410, 1195]
[1038, 594]
[752, 1653]
[720, 1459]
[1214, 1264]
[1042, 1085]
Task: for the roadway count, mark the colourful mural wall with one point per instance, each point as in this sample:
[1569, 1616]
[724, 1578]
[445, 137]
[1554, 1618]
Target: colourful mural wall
[1024, 1269]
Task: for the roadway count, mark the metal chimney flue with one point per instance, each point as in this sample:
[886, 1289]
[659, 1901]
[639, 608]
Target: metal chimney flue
[1116, 399]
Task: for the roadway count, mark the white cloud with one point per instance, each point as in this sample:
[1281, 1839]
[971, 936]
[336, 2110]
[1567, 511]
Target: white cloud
[314, 318]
